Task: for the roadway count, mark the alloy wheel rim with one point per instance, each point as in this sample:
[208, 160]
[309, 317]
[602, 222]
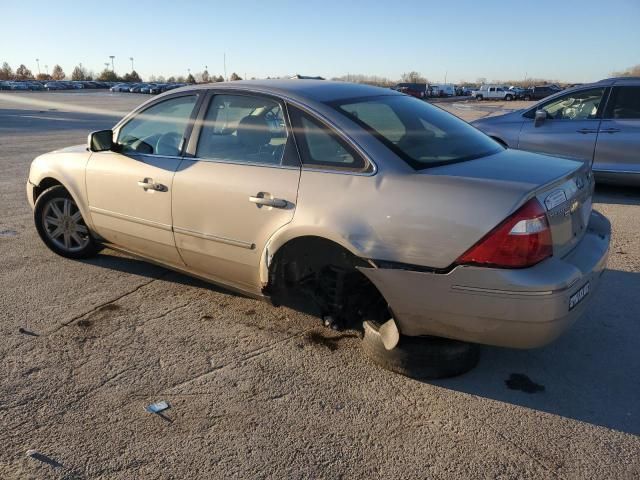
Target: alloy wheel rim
[64, 225]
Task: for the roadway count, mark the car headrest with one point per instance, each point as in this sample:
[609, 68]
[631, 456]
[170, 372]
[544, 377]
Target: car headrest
[253, 132]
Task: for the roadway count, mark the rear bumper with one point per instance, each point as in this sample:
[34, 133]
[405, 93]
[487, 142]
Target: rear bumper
[520, 308]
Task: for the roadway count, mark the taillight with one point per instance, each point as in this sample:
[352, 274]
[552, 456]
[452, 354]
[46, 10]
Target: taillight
[522, 240]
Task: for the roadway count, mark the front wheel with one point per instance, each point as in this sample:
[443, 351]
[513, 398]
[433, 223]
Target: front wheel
[508, 98]
[527, 97]
[479, 97]
[60, 225]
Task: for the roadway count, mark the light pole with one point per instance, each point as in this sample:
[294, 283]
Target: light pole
[224, 60]
[46, 67]
[113, 68]
[131, 58]
[38, 62]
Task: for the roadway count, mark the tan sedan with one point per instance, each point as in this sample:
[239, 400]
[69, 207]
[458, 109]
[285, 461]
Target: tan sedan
[358, 201]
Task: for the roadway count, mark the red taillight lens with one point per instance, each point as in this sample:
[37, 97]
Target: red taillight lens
[522, 240]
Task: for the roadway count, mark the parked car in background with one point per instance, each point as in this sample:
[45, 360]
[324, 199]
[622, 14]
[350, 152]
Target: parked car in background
[442, 90]
[18, 85]
[538, 93]
[377, 207]
[598, 124]
[4, 85]
[120, 87]
[418, 90]
[493, 92]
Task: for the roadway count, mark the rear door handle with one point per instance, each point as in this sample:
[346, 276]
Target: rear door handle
[587, 130]
[261, 200]
[149, 184]
[609, 130]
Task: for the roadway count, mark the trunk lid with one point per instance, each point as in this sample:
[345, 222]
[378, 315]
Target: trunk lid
[563, 187]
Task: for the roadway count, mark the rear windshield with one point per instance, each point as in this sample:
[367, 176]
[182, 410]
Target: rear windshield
[422, 135]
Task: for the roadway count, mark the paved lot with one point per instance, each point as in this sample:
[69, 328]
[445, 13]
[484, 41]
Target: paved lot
[264, 392]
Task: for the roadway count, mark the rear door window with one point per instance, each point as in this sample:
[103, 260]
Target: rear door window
[624, 103]
[243, 129]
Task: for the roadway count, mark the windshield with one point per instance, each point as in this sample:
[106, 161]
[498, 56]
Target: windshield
[421, 134]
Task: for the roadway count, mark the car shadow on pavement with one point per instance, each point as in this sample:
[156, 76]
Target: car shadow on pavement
[590, 374]
[142, 268]
[617, 195]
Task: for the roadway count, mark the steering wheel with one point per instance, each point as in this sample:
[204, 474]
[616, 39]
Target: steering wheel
[168, 144]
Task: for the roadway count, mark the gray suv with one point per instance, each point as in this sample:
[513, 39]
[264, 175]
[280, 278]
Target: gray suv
[598, 123]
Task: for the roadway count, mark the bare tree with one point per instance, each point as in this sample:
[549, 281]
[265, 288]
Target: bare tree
[23, 73]
[629, 72]
[6, 72]
[57, 73]
[413, 77]
[78, 73]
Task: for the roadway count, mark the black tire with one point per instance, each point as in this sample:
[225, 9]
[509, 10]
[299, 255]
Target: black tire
[479, 97]
[508, 98]
[85, 248]
[527, 97]
[422, 358]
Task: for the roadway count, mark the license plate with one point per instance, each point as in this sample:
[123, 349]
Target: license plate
[577, 297]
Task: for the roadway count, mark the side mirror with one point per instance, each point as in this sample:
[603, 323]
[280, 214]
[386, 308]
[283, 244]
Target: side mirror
[540, 117]
[101, 141]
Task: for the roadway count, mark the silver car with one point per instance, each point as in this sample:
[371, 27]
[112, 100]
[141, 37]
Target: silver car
[598, 124]
[364, 202]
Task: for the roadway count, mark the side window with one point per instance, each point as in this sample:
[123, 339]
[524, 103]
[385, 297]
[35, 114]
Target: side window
[240, 128]
[321, 147]
[580, 105]
[160, 129]
[624, 103]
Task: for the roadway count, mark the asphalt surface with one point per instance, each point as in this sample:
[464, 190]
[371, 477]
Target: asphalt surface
[264, 392]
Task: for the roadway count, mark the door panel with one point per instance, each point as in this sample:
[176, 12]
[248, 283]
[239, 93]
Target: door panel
[618, 146]
[129, 190]
[128, 214]
[564, 138]
[219, 231]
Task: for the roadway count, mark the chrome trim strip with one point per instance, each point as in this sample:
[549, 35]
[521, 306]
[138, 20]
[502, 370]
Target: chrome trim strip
[215, 238]
[604, 170]
[501, 292]
[234, 162]
[122, 216]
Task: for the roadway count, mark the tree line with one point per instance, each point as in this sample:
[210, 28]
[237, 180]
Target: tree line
[80, 73]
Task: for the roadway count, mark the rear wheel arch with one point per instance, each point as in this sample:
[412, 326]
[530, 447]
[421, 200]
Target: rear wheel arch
[316, 269]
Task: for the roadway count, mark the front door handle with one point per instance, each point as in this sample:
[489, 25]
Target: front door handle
[149, 184]
[262, 200]
[609, 130]
[587, 130]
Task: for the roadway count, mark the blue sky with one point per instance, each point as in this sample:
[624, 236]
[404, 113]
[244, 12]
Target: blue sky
[499, 40]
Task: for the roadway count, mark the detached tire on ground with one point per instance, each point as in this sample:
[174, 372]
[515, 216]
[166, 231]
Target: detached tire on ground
[423, 358]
